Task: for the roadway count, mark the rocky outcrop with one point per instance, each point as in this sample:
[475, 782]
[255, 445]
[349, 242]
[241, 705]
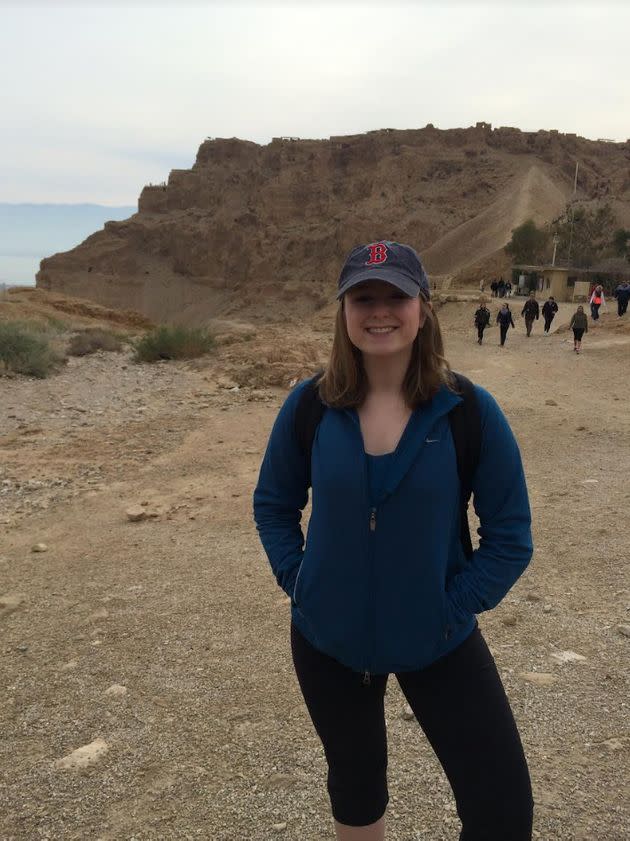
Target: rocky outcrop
[261, 230]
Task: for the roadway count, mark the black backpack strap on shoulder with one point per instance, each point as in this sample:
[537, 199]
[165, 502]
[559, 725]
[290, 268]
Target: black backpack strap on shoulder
[308, 414]
[465, 420]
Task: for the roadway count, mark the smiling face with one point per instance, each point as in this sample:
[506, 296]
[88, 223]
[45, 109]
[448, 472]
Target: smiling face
[380, 319]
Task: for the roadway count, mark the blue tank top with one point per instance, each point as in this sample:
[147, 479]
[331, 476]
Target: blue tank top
[377, 473]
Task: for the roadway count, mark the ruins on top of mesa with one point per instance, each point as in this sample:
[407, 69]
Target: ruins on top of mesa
[261, 230]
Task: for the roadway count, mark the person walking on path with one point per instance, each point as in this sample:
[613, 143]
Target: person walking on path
[530, 311]
[482, 284]
[622, 294]
[505, 321]
[579, 325]
[549, 310]
[381, 585]
[482, 320]
[493, 288]
[508, 289]
[501, 288]
[596, 301]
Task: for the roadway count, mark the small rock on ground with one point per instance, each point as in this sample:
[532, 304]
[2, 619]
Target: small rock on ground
[116, 690]
[84, 756]
[539, 678]
[567, 657]
[135, 513]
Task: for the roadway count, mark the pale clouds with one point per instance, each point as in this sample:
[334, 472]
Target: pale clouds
[104, 98]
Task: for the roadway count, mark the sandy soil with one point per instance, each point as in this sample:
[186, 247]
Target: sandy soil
[211, 738]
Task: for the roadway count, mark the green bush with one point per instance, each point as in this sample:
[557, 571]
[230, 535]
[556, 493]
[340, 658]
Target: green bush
[92, 339]
[621, 243]
[56, 324]
[528, 243]
[173, 343]
[24, 351]
[585, 234]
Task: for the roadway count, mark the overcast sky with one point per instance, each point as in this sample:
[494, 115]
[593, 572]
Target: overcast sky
[98, 99]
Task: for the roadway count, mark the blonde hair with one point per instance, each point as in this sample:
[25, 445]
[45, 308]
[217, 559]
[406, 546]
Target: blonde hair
[344, 384]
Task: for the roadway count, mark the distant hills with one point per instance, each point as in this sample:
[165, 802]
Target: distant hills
[260, 231]
[30, 232]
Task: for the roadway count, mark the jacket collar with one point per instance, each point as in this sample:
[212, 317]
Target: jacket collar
[414, 436]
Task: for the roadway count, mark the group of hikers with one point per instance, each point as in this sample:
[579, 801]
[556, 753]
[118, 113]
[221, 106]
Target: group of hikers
[498, 288]
[531, 312]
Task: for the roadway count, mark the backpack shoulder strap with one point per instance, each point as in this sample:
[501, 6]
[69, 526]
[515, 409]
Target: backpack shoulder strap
[465, 421]
[308, 414]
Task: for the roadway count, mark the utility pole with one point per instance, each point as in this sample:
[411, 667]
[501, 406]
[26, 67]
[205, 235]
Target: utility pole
[556, 240]
[577, 164]
[570, 239]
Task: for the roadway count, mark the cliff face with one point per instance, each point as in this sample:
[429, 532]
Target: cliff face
[262, 230]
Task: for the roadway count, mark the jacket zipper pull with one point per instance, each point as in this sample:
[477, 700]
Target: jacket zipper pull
[373, 519]
[366, 678]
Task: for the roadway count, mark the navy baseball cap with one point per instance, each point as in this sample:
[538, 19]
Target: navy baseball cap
[392, 262]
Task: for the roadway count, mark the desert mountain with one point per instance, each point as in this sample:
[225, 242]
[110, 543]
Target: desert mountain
[260, 231]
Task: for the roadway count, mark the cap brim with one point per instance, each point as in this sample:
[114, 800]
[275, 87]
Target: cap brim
[405, 284]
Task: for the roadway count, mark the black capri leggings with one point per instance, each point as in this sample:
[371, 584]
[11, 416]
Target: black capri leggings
[459, 702]
[578, 332]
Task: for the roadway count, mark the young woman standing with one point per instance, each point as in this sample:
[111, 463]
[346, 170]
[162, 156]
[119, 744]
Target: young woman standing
[383, 584]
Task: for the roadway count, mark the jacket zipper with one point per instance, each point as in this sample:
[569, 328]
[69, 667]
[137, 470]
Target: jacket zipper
[372, 528]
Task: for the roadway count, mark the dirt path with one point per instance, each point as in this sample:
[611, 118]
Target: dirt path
[211, 739]
[533, 194]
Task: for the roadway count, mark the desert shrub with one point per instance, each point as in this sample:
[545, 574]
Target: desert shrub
[91, 340]
[621, 243]
[173, 343]
[528, 243]
[57, 325]
[585, 234]
[25, 351]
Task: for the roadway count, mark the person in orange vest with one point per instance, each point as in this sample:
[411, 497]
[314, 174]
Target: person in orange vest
[596, 301]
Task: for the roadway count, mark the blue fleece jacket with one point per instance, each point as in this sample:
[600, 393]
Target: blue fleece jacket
[383, 585]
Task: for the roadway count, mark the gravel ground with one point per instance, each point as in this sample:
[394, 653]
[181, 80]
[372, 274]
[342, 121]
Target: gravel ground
[211, 738]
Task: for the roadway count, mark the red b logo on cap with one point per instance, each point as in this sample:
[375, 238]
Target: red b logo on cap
[378, 254]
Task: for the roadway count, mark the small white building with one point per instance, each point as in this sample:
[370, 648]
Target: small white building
[566, 283]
